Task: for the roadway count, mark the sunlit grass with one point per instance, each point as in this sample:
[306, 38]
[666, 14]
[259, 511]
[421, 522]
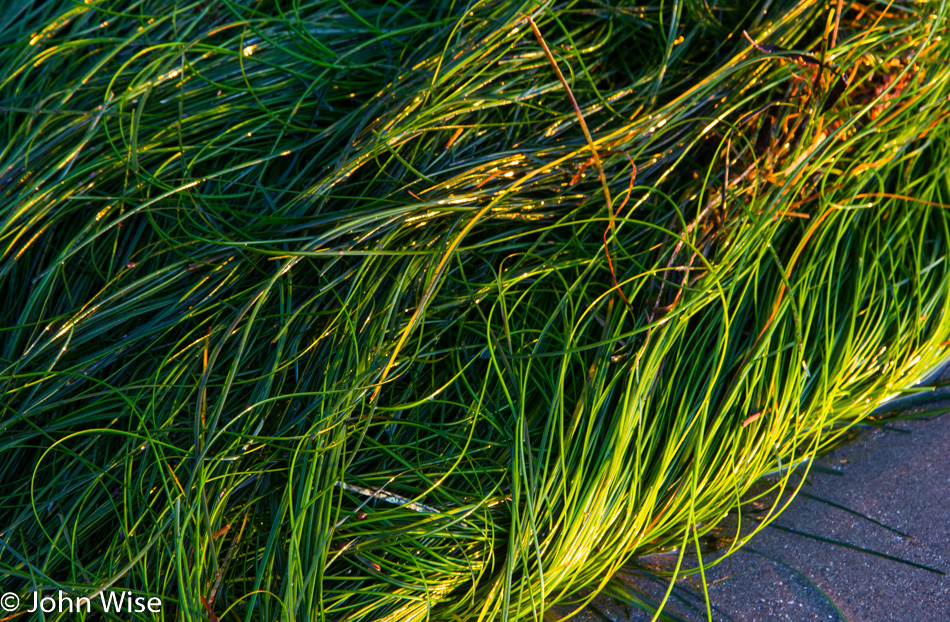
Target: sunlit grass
[320, 311]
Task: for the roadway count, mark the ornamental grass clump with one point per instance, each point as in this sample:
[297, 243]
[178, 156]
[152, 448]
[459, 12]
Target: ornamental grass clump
[423, 310]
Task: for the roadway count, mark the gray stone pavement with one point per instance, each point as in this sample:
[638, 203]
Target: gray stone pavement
[887, 491]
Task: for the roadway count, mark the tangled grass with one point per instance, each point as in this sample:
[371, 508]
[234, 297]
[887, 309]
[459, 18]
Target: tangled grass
[334, 310]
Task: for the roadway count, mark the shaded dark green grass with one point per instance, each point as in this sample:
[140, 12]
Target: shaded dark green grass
[320, 311]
